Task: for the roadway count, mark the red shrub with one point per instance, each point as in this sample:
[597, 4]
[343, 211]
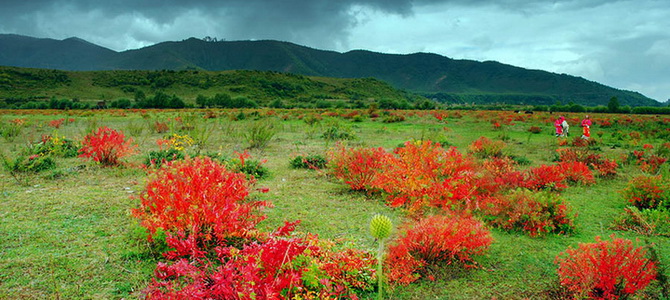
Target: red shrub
[577, 172]
[161, 127]
[534, 129]
[652, 164]
[483, 147]
[605, 269]
[500, 166]
[423, 174]
[106, 146]
[573, 154]
[273, 268]
[358, 167]
[439, 238]
[531, 212]
[546, 178]
[648, 162]
[199, 196]
[17, 122]
[56, 123]
[606, 168]
[647, 192]
[580, 142]
[504, 173]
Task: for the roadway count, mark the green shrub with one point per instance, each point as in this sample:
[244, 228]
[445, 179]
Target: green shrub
[644, 221]
[314, 161]
[31, 164]
[336, 132]
[251, 167]
[57, 146]
[647, 192]
[393, 118]
[157, 158]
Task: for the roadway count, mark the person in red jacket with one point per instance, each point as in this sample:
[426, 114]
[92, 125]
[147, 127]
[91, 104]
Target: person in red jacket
[586, 128]
[559, 126]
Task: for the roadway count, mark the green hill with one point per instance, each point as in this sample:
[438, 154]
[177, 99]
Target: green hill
[20, 85]
[438, 77]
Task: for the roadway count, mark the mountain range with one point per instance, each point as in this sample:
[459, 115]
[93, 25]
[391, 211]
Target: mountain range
[431, 75]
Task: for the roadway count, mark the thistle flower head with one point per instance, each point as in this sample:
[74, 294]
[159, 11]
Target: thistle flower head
[380, 227]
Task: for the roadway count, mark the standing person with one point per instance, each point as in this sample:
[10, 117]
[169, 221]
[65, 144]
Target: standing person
[586, 128]
[566, 127]
[559, 126]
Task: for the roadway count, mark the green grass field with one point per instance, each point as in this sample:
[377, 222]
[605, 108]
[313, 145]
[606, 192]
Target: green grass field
[67, 233]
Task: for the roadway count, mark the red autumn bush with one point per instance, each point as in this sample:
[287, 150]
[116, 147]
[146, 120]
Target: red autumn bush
[647, 192]
[649, 163]
[606, 168]
[652, 164]
[423, 174]
[106, 146]
[56, 123]
[160, 127]
[276, 267]
[605, 269]
[545, 178]
[484, 147]
[198, 195]
[579, 154]
[448, 238]
[536, 213]
[504, 172]
[534, 129]
[577, 172]
[358, 167]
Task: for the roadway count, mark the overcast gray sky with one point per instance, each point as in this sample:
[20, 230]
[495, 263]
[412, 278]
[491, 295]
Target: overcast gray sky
[621, 43]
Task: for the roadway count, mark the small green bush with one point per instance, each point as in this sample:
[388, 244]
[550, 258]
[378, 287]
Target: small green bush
[309, 162]
[34, 163]
[157, 158]
[644, 221]
[337, 133]
[251, 167]
[57, 146]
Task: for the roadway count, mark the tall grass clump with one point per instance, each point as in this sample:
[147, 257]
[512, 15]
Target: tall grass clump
[259, 134]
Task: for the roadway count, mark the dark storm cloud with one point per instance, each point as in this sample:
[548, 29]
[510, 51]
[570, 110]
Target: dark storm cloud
[622, 43]
[323, 22]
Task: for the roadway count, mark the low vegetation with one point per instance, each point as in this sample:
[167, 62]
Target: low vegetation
[278, 203]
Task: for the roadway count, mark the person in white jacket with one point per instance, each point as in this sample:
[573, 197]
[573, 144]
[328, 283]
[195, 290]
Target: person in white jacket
[566, 127]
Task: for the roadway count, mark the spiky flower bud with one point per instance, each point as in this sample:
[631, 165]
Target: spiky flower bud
[380, 227]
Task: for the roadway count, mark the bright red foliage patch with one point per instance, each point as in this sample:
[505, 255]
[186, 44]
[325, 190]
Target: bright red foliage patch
[358, 167]
[199, 195]
[546, 178]
[647, 192]
[577, 171]
[423, 174]
[448, 238]
[531, 212]
[272, 268]
[484, 147]
[106, 146]
[605, 269]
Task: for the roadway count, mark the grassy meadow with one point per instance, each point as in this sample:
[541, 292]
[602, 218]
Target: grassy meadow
[67, 232]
